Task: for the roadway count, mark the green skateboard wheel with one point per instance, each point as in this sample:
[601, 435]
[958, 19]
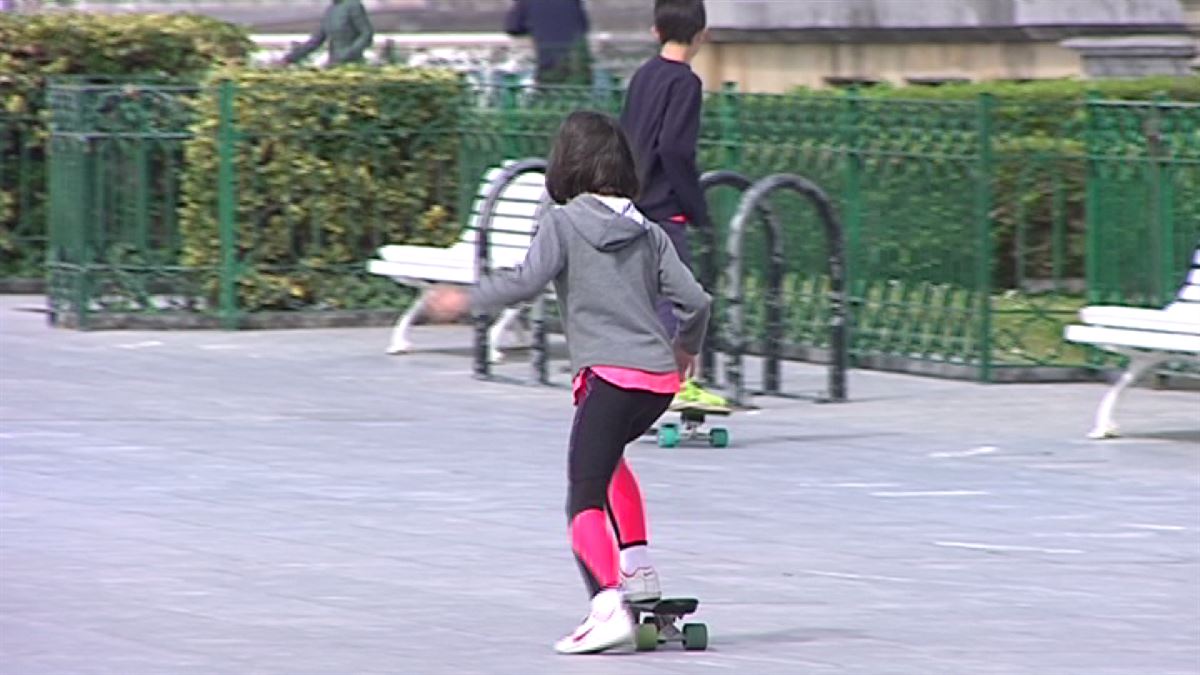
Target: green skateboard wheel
[719, 438]
[647, 637]
[695, 637]
[668, 436]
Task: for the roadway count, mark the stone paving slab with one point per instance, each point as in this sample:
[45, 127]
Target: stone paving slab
[297, 502]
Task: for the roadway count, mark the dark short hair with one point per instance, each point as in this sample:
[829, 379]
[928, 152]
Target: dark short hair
[679, 20]
[591, 154]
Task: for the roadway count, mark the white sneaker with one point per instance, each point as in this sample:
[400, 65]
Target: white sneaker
[607, 626]
[642, 585]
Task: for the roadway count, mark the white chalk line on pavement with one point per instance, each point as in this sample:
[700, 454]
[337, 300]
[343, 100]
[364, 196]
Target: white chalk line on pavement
[141, 345]
[969, 452]
[1006, 548]
[953, 583]
[40, 434]
[1094, 535]
[931, 493]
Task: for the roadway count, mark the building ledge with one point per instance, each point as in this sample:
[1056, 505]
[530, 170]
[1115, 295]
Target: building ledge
[1135, 55]
[947, 35]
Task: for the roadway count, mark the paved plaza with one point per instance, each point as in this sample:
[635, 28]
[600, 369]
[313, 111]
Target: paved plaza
[298, 502]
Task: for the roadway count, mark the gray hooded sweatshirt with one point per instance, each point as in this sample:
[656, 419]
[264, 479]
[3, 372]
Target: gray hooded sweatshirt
[609, 269]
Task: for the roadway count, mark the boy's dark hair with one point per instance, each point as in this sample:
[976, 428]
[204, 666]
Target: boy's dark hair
[679, 20]
[591, 154]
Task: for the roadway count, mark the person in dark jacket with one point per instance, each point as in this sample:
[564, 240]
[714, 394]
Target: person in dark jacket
[559, 30]
[348, 30]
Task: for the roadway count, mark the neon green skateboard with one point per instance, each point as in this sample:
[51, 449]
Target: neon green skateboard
[691, 426]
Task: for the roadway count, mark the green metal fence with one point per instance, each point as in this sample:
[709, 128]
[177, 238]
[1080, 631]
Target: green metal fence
[114, 184]
[510, 121]
[22, 184]
[213, 201]
[966, 222]
[906, 178]
[1143, 199]
[975, 229]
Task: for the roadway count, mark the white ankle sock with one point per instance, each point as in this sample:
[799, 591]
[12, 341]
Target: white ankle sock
[605, 601]
[634, 557]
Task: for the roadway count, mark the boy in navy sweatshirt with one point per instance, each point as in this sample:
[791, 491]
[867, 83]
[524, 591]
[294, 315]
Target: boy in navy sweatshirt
[661, 118]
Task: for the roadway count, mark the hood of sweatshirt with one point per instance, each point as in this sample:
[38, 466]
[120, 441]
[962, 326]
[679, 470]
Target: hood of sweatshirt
[607, 223]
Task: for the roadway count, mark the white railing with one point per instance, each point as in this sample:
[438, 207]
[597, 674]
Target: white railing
[460, 51]
[486, 54]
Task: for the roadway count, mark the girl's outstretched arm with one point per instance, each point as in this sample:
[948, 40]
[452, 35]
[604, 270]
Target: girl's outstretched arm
[503, 288]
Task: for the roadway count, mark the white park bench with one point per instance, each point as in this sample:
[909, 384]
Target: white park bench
[1147, 337]
[510, 231]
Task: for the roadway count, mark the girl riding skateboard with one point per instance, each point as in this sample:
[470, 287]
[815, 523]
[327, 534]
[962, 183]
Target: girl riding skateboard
[610, 267]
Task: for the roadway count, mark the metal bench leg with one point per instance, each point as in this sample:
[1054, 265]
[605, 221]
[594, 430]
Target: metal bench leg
[1139, 364]
[399, 343]
[498, 329]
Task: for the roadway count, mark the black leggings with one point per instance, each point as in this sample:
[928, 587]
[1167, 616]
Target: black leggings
[608, 418]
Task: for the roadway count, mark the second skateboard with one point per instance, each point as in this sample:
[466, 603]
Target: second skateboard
[692, 427]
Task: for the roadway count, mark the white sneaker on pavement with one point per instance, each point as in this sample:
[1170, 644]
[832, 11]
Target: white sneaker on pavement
[607, 626]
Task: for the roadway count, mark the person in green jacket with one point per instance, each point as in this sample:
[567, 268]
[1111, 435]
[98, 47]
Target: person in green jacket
[348, 30]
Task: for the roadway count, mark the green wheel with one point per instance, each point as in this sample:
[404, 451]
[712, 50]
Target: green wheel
[695, 637]
[719, 438]
[668, 436]
[647, 637]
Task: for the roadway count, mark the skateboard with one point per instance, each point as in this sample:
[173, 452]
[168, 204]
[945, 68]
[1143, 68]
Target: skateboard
[691, 426]
[657, 623]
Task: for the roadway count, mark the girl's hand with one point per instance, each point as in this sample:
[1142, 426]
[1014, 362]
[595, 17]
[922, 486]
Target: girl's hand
[444, 304]
[685, 362]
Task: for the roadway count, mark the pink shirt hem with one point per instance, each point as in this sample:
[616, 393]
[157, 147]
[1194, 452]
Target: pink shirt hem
[628, 378]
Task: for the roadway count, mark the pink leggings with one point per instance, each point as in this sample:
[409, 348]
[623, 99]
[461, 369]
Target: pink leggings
[606, 420]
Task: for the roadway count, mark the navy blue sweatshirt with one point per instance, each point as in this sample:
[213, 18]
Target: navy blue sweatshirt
[555, 26]
[662, 120]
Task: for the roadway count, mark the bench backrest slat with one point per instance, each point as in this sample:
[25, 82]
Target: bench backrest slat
[526, 210]
[513, 217]
[1190, 291]
[520, 191]
[499, 240]
[1187, 301]
[505, 231]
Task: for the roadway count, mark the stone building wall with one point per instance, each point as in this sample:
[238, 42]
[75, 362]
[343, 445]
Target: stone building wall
[771, 46]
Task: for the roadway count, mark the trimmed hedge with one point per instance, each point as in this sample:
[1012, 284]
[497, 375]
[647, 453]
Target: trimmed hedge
[1041, 149]
[330, 165]
[48, 45]
[36, 48]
